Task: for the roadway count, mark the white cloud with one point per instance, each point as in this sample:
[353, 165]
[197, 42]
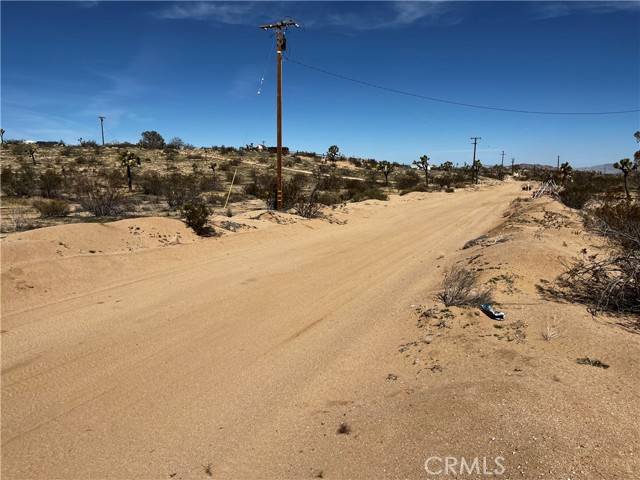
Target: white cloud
[551, 9]
[360, 16]
[235, 13]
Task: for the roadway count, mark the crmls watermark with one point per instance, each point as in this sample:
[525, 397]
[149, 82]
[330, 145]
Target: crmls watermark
[460, 466]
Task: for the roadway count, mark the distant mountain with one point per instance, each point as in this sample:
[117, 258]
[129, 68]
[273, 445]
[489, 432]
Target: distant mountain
[604, 168]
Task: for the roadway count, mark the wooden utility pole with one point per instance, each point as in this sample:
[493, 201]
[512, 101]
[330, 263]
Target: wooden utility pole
[102, 127]
[281, 46]
[513, 161]
[502, 159]
[558, 166]
[473, 164]
[475, 142]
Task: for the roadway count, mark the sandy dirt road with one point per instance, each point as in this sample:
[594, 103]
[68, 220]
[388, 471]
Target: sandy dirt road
[240, 355]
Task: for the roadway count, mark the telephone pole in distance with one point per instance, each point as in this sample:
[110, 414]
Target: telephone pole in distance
[475, 142]
[281, 46]
[473, 165]
[102, 127]
[502, 159]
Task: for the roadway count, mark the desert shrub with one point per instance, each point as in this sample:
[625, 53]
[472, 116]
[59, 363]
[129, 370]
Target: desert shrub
[86, 160]
[215, 199]
[51, 208]
[19, 219]
[50, 183]
[460, 287]
[408, 180]
[609, 281]
[181, 189]
[20, 149]
[308, 154]
[101, 194]
[309, 207]
[328, 198]
[19, 183]
[151, 183]
[88, 143]
[125, 145]
[356, 162]
[151, 139]
[443, 181]
[260, 184]
[357, 191]
[618, 221]
[421, 187]
[224, 150]
[329, 180]
[208, 183]
[576, 195]
[263, 186]
[585, 186]
[196, 216]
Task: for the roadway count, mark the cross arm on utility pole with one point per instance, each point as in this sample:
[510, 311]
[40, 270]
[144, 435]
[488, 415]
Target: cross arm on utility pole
[279, 25]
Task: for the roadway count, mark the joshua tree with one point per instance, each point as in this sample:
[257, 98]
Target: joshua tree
[129, 159]
[565, 171]
[333, 153]
[625, 166]
[423, 164]
[447, 166]
[213, 167]
[31, 150]
[386, 168]
[1, 136]
[476, 169]
[637, 136]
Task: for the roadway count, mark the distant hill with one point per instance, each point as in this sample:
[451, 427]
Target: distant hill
[531, 166]
[606, 168]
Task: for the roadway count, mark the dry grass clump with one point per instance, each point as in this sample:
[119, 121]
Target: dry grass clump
[51, 208]
[460, 288]
[549, 333]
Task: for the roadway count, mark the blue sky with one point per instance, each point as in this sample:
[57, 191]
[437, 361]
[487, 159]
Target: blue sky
[193, 69]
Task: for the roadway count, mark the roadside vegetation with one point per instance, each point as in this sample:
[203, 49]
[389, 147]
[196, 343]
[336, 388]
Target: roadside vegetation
[609, 278]
[47, 183]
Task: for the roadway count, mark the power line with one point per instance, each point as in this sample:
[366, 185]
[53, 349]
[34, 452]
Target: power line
[452, 102]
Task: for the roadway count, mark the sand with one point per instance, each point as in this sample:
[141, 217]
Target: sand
[158, 354]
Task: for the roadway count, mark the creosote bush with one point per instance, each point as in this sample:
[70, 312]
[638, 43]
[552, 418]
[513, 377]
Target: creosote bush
[50, 183]
[101, 194]
[576, 195]
[51, 208]
[19, 183]
[408, 180]
[608, 281]
[196, 216]
[460, 287]
[357, 191]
